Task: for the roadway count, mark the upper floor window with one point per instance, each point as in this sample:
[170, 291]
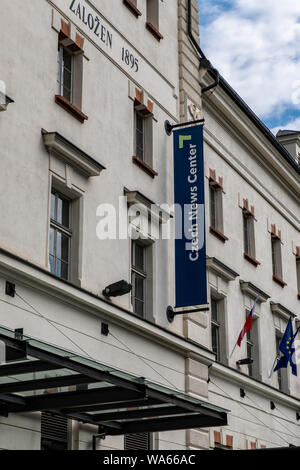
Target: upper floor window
[143, 134]
[133, 7]
[277, 256]
[139, 135]
[249, 234]
[69, 78]
[65, 73]
[60, 235]
[216, 207]
[153, 18]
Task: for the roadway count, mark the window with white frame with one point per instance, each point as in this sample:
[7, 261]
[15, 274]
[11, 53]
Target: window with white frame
[252, 349]
[218, 329]
[138, 278]
[143, 136]
[65, 73]
[60, 235]
[249, 235]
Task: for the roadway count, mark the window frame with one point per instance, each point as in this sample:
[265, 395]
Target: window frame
[138, 114]
[141, 274]
[215, 326]
[57, 227]
[60, 82]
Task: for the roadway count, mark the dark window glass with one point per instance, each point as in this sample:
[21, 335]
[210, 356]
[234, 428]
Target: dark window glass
[213, 208]
[140, 135]
[249, 350]
[246, 235]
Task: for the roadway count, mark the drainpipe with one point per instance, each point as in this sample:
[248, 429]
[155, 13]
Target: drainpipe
[203, 61]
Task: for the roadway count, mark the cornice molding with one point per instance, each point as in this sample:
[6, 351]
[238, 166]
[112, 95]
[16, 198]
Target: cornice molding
[225, 272]
[70, 154]
[253, 291]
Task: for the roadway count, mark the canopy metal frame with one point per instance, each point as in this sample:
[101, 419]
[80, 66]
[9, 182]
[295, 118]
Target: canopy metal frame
[120, 404]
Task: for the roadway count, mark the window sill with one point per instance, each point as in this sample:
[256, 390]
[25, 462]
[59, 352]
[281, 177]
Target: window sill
[154, 31]
[279, 281]
[251, 259]
[144, 166]
[218, 234]
[70, 108]
[131, 6]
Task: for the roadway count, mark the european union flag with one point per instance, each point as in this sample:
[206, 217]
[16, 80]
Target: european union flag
[287, 349]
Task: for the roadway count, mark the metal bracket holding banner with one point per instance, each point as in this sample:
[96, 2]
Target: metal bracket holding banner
[190, 246]
[170, 127]
[171, 313]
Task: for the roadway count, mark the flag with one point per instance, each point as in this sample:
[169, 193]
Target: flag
[248, 324]
[287, 349]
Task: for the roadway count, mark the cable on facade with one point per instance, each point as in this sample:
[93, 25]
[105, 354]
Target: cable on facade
[83, 350]
[143, 360]
[242, 405]
[257, 406]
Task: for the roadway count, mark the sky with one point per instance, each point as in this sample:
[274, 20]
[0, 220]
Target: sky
[255, 45]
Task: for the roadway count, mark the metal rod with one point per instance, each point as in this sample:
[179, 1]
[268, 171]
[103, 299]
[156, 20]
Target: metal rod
[170, 127]
[273, 366]
[171, 314]
[233, 351]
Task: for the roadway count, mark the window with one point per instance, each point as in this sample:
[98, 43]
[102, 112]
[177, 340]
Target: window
[215, 328]
[69, 78]
[132, 6]
[65, 72]
[282, 374]
[218, 336]
[60, 235]
[277, 260]
[216, 211]
[54, 432]
[249, 238]
[141, 441]
[153, 18]
[138, 278]
[143, 140]
[140, 135]
[252, 349]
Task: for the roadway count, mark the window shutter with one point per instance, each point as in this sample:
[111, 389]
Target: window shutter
[139, 441]
[54, 431]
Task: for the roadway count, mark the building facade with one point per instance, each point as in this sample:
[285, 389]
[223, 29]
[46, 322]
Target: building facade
[84, 139]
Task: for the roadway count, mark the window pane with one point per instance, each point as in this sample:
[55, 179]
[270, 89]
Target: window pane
[246, 235]
[52, 264]
[64, 270]
[52, 211]
[58, 268]
[138, 256]
[63, 212]
[214, 310]
[65, 248]
[52, 242]
[139, 287]
[213, 218]
[215, 340]
[139, 307]
[58, 244]
[67, 60]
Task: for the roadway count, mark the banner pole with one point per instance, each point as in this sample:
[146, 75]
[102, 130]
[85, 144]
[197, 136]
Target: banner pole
[232, 351]
[273, 366]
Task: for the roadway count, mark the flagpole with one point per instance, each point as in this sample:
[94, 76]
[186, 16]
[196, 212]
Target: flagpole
[233, 351]
[273, 366]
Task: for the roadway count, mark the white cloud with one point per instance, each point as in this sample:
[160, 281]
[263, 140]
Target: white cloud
[256, 46]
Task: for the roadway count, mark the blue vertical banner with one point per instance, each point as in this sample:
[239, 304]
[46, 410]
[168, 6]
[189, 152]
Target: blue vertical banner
[190, 246]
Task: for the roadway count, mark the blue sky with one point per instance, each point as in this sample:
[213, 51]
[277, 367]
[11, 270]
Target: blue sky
[255, 44]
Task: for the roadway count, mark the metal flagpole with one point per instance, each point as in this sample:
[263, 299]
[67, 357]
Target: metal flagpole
[273, 366]
[233, 350]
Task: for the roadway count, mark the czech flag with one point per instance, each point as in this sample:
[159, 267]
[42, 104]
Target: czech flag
[248, 324]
